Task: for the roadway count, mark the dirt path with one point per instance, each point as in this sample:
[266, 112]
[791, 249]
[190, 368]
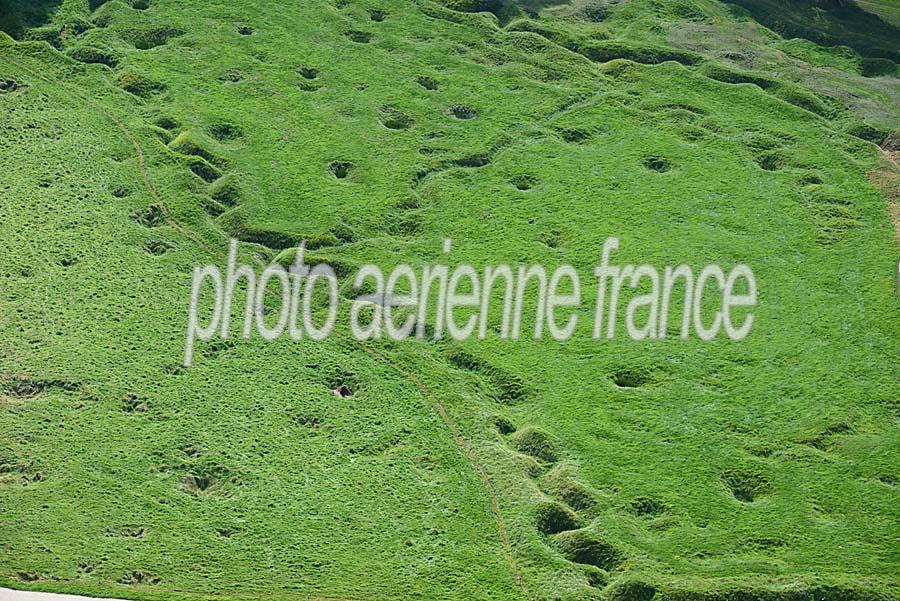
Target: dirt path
[11, 595]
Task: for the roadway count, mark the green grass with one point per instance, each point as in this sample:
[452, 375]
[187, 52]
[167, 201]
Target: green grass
[764, 469]
[887, 10]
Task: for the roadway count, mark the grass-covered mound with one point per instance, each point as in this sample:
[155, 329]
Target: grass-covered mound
[137, 137]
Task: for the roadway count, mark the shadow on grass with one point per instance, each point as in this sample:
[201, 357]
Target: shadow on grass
[828, 23]
[16, 16]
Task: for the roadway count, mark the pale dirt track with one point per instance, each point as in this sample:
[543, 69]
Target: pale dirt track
[11, 595]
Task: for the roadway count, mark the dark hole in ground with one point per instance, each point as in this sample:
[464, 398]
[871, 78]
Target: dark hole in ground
[429, 83]
[657, 164]
[646, 506]
[537, 443]
[360, 37]
[152, 38]
[174, 369]
[225, 132]
[552, 238]
[192, 450]
[770, 161]
[574, 136]
[377, 15]
[139, 85]
[196, 484]
[342, 390]
[744, 485]
[889, 479]
[136, 577]
[232, 75]
[310, 421]
[217, 347]
[24, 387]
[86, 567]
[509, 387]
[158, 247]
[340, 169]
[134, 404]
[152, 216]
[475, 160]
[581, 547]
[630, 379]
[523, 182]
[202, 169]
[824, 439]
[208, 479]
[393, 118]
[97, 56]
[810, 178]
[186, 144]
[225, 191]
[8, 86]
[504, 425]
[596, 577]
[461, 111]
[167, 123]
[245, 30]
[553, 518]
[763, 543]
[308, 72]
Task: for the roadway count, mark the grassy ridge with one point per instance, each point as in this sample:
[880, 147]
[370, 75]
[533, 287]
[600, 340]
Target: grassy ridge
[765, 469]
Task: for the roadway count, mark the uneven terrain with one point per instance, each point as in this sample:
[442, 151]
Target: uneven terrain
[137, 137]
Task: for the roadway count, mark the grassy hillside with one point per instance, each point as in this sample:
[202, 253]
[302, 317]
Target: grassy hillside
[136, 138]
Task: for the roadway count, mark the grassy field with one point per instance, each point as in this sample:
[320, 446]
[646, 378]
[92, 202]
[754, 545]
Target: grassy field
[137, 138]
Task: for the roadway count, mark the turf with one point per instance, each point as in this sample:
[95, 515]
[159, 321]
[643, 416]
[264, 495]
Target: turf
[139, 137]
